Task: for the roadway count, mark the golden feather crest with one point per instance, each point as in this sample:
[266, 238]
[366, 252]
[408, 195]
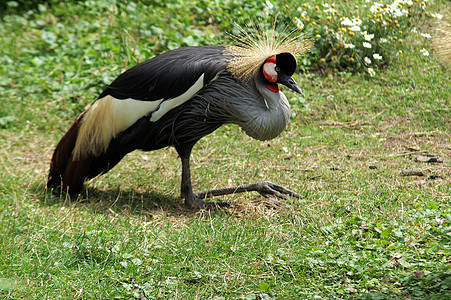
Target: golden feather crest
[252, 49]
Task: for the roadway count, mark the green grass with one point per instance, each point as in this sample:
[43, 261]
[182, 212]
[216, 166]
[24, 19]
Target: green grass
[362, 231]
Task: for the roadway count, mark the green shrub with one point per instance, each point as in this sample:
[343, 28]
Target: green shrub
[353, 37]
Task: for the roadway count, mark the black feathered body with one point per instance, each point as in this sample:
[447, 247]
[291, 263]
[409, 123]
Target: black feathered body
[173, 99]
[168, 75]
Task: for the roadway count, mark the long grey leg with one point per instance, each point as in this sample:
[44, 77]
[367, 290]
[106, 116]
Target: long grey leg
[197, 199]
[192, 199]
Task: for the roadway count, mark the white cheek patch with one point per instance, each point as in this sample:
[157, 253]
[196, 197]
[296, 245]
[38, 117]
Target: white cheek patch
[269, 70]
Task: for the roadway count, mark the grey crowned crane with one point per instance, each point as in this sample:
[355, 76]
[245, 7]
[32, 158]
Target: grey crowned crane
[175, 99]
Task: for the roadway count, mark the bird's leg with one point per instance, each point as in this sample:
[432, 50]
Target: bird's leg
[191, 198]
[265, 188]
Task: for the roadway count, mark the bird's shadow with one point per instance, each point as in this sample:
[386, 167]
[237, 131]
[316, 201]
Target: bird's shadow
[114, 201]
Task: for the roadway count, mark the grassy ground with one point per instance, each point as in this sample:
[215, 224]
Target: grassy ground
[362, 231]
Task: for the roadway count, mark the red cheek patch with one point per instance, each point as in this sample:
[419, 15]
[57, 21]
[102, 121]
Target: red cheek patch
[269, 71]
[273, 87]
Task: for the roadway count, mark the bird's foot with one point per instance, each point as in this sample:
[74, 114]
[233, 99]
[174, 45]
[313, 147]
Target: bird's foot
[267, 189]
[271, 203]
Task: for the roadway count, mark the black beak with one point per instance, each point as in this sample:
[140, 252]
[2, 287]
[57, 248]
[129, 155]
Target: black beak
[289, 82]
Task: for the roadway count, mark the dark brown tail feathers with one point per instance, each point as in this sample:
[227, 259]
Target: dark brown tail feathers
[63, 170]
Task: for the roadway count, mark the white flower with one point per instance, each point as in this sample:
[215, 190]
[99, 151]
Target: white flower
[375, 8]
[426, 35]
[367, 60]
[438, 220]
[299, 23]
[366, 45]
[355, 28]
[438, 16]
[350, 46]
[340, 37]
[369, 37]
[330, 10]
[357, 21]
[425, 52]
[352, 23]
[346, 22]
[269, 4]
[383, 41]
[395, 10]
[377, 56]
[371, 72]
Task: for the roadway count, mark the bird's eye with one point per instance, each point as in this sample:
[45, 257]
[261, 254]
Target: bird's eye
[277, 69]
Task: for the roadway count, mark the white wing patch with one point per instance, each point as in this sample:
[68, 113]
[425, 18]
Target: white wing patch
[109, 116]
[128, 111]
[174, 102]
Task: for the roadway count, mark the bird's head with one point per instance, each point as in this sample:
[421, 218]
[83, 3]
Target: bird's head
[279, 69]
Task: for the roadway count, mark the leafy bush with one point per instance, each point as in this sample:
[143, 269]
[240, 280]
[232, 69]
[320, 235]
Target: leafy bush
[353, 37]
[19, 5]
